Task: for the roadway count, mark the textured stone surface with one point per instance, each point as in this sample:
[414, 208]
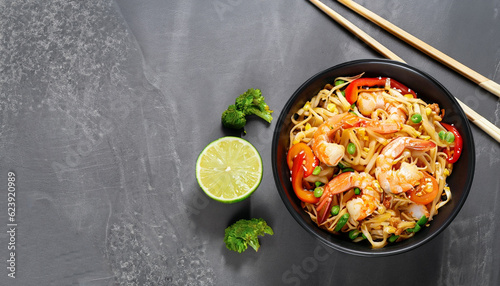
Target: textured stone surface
[105, 105]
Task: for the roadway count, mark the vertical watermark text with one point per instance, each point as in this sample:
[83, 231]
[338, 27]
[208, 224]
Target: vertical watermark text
[11, 224]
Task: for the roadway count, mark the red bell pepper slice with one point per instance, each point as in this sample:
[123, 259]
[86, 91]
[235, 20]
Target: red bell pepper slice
[457, 150]
[311, 160]
[351, 91]
[297, 175]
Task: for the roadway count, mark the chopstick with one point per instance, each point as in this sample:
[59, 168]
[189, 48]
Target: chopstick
[479, 79]
[358, 32]
[480, 121]
[473, 116]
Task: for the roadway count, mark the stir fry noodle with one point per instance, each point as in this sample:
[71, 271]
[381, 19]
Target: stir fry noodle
[369, 159]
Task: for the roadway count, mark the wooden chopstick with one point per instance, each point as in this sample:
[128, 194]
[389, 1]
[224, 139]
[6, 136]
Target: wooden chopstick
[479, 79]
[358, 32]
[473, 116]
[480, 121]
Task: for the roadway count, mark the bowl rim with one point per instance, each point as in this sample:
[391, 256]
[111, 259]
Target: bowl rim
[383, 251]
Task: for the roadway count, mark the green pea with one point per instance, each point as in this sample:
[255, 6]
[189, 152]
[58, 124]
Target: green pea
[351, 148]
[339, 82]
[318, 192]
[422, 221]
[393, 238]
[357, 191]
[335, 210]
[449, 137]
[354, 233]
[441, 134]
[416, 118]
[318, 183]
[342, 221]
[317, 170]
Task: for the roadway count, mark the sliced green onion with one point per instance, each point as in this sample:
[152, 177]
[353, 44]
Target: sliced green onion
[363, 235]
[343, 93]
[393, 238]
[449, 137]
[318, 192]
[335, 210]
[342, 221]
[351, 148]
[339, 82]
[341, 166]
[415, 229]
[357, 191]
[316, 171]
[416, 118]
[347, 170]
[354, 233]
[422, 221]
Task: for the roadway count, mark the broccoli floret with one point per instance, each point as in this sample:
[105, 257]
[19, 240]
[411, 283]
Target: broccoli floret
[233, 118]
[245, 232]
[249, 103]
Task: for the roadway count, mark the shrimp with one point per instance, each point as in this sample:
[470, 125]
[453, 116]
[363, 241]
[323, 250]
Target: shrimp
[368, 102]
[331, 153]
[417, 211]
[408, 175]
[360, 206]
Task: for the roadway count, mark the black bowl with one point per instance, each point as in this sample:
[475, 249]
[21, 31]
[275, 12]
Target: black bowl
[430, 91]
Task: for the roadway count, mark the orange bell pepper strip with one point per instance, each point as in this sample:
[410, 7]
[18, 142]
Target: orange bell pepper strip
[297, 175]
[311, 160]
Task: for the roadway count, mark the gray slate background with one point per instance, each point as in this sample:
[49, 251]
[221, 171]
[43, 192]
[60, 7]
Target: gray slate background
[105, 106]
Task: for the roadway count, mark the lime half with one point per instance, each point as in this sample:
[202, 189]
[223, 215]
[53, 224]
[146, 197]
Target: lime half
[229, 169]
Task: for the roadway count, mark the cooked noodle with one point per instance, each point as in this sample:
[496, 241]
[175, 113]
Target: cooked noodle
[391, 217]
